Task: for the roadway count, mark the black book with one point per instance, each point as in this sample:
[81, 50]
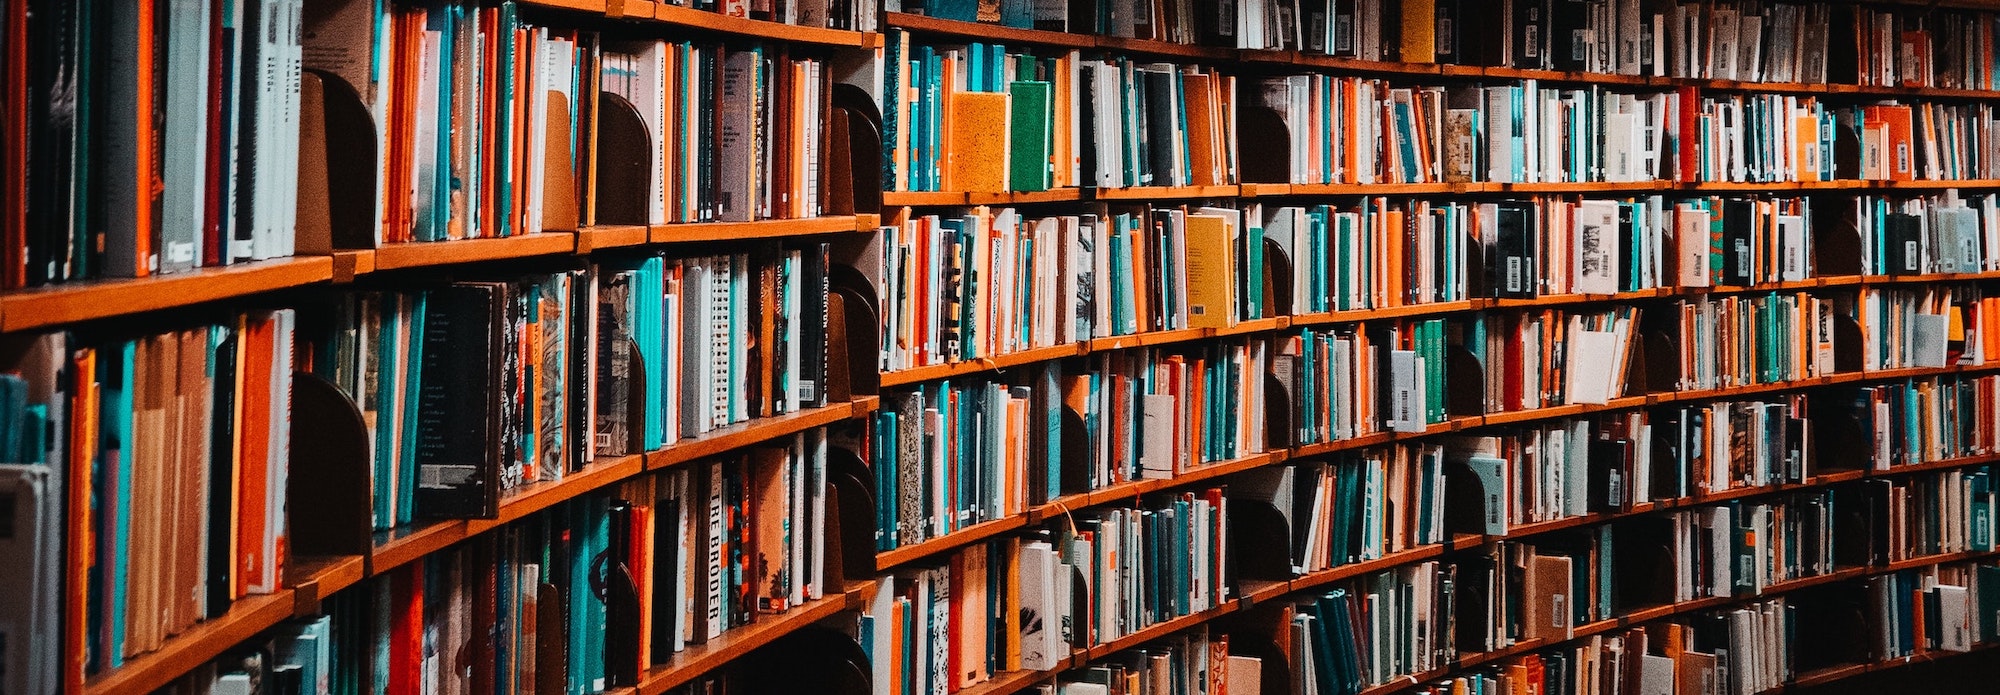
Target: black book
[222, 476]
[1570, 41]
[813, 334]
[1346, 31]
[459, 433]
[59, 64]
[1162, 126]
[1607, 474]
[1512, 265]
[1446, 28]
[1901, 253]
[1736, 242]
[1531, 34]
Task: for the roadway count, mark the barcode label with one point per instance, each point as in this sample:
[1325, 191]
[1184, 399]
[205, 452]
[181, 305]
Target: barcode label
[435, 477]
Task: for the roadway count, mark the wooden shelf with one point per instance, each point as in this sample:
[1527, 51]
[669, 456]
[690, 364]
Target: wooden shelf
[760, 229]
[756, 431]
[699, 659]
[423, 254]
[73, 302]
[710, 21]
[973, 31]
[896, 199]
[1146, 193]
[203, 643]
[590, 239]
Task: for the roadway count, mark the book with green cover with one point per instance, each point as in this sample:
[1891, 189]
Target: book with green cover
[1028, 125]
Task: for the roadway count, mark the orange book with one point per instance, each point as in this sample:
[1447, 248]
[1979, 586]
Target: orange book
[252, 472]
[1202, 139]
[978, 144]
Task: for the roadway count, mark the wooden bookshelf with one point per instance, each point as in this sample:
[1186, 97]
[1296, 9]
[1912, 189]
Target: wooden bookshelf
[310, 579]
[427, 254]
[56, 305]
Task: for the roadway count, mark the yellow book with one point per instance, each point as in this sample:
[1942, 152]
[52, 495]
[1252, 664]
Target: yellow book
[1211, 285]
[979, 141]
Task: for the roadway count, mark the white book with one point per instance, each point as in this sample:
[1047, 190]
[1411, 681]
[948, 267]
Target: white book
[1597, 247]
[1592, 356]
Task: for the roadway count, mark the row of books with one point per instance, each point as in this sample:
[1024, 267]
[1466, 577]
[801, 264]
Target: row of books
[1371, 630]
[687, 345]
[988, 283]
[1353, 130]
[576, 599]
[466, 389]
[1922, 420]
[976, 118]
[1354, 508]
[1741, 651]
[957, 453]
[1027, 602]
[1948, 49]
[707, 548]
[737, 133]
[1933, 327]
[1750, 42]
[184, 440]
[1377, 253]
[1342, 383]
[511, 611]
[137, 157]
[1195, 662]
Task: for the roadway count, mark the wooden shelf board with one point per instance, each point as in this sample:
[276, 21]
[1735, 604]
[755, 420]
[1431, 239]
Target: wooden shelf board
[759, 29]
[535, 497]
[1160, 629]
[596, 6]
[947, 370]
[760, 229]
[889, 559]
[754, 431]
[975, 31]
[1150, 338]
[73, 302]
[699, 659]
[421, 254]
[893, 199]
[1007, 682]
[312, 578]
[400, 546]
[204, 642]
[1161, 192]
[611, 236]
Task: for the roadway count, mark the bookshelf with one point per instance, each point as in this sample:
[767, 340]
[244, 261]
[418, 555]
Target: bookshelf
[599, 226]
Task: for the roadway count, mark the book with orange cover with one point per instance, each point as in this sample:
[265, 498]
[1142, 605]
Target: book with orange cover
[978, 143]
[1211, 275]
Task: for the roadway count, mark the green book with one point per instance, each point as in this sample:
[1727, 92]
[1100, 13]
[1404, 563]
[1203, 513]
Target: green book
[1028, 165]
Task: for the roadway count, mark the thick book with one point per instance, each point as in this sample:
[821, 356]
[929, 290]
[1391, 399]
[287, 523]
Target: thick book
[460, 437]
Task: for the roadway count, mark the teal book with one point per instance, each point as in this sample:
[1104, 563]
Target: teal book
[115, 445]
[1253, 272]
[1028, 168]
[503, 152]
[411, 386]
[386, 394]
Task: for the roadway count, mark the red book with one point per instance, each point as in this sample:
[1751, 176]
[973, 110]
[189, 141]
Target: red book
[406, 630]
[1687, 137]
